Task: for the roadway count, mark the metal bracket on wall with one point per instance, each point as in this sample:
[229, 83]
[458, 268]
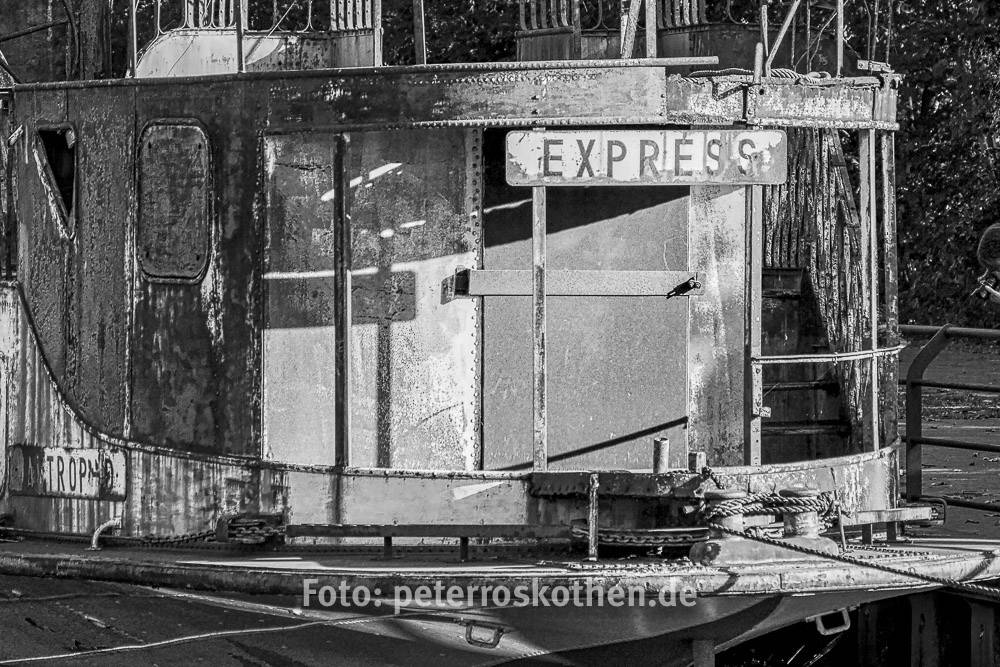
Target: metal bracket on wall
[478, 282]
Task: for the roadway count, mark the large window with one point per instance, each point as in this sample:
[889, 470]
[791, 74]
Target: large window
[174, 234]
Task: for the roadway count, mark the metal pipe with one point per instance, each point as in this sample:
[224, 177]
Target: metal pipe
[661, 455]
[241, 64]
[831, 357]
[960, 386]
[592, 515]
[952, 332]
[758, 63]
[914, 411]
[781, 35]
[33, 29]
[419, 35]
[764, 27]
[651, 28]
[111, 523]
[950, 443]
[133, 38]
[538, 233]
[840, 37]
[627, 32]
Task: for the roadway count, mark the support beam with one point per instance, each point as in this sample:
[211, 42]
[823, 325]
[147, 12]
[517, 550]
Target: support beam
[869, 228]
[650, 28]
[629, 20]
[419, 34]
[752, 371]
[241, 62]
[840, 37]
[538, 232]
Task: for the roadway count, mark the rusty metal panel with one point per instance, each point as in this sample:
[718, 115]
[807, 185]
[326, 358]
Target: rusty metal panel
[626, 92]
[196, 348]
[413, 373]
[384, 499]
[717, 251]
[174, 230]
[802, 104]
[645, 157]
[300, 273]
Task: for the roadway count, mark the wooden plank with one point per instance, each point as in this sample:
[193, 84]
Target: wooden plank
[539, 408]
[514, 282]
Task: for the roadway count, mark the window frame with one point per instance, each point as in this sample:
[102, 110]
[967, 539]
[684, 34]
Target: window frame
[65, 218]
[209, 208]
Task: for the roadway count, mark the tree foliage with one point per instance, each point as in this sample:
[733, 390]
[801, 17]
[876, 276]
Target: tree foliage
[948, 159]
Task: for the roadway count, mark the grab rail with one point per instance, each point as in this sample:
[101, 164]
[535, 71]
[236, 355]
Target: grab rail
[913, 436]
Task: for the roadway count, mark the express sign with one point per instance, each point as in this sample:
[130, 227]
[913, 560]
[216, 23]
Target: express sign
[646, 157]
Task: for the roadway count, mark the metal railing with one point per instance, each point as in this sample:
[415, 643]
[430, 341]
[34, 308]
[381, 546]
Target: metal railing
[548, 15]
[915, 382]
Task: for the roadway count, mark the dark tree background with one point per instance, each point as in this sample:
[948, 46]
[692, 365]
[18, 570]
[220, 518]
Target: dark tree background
[948, 147]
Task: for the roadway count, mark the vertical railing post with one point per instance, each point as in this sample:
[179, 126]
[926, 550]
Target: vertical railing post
[342, 299]
[133, 38]
[377, 32]
[753, 371]
[651, 32]
[869, 227]
[840, 37]
[765, 37]
[914, 411]
[540, 447]
[241, 65]
[419, 34]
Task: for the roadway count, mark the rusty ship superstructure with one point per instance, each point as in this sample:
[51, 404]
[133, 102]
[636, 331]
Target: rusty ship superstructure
[634, 290]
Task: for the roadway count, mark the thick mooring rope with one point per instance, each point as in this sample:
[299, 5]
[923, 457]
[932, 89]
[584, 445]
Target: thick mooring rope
[978, 589]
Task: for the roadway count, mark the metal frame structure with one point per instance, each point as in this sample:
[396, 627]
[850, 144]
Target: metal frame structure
[914, 438]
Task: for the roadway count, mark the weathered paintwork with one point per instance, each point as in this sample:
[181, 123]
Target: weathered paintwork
[632, 157]
[215, 380]
[195, 52]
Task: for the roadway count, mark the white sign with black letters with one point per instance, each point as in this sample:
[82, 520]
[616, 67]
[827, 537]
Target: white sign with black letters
[646, 157]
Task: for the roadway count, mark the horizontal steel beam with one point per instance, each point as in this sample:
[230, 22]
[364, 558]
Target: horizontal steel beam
[579, 283]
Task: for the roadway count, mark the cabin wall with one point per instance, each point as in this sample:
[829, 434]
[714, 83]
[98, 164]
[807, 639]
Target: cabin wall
[169, 363]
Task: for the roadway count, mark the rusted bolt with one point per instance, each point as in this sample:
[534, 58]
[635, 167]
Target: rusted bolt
[800, 522]
[714, 498]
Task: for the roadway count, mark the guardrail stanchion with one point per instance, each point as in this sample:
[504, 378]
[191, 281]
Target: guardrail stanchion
[914, 411]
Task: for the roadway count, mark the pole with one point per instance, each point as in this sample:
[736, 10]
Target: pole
[419, 35]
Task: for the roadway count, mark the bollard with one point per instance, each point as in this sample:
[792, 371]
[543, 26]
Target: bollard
[801, 523]
[714, 498]
[661, 455]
